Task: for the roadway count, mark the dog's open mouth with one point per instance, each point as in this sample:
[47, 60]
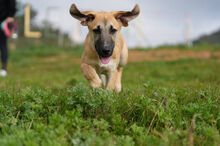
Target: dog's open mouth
[105, 60]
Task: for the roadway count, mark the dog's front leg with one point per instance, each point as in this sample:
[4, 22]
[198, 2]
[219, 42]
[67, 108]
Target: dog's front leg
[90, 74]
[118, 80]
[114, 80]
[111, 80]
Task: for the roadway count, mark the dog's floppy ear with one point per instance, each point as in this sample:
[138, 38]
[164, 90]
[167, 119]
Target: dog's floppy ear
[84, 17]
[125, 16]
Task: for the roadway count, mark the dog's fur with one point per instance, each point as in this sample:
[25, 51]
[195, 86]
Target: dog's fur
[105, 52]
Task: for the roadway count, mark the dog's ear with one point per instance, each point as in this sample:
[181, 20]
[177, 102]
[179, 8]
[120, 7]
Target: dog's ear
[125, 16]
[84, 17]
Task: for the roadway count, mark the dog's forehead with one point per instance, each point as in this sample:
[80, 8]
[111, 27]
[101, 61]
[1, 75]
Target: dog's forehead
[104, 19]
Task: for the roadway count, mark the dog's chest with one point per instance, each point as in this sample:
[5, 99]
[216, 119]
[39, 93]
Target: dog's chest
[111, 66]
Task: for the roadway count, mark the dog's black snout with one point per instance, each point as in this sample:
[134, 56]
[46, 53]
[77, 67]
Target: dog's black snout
[104, 47]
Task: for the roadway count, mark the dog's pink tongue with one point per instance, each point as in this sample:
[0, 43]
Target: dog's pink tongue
[105, 60]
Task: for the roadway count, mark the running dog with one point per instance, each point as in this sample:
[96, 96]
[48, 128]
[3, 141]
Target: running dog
[105, 52]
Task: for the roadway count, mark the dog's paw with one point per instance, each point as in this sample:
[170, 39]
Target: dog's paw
[96, 84]
[117, 88]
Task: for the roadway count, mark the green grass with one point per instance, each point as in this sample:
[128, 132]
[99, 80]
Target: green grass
[46, 101]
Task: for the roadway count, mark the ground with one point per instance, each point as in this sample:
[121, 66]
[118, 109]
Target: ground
[171, 96]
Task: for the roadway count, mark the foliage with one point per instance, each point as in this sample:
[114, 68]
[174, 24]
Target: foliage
[212, 38]
[46, 101]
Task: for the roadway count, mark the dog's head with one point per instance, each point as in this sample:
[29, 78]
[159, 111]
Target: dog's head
[104, 28]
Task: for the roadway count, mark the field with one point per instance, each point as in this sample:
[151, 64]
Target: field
[168, 98]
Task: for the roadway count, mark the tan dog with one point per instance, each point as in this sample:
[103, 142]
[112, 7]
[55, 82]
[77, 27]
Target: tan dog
[105, 52]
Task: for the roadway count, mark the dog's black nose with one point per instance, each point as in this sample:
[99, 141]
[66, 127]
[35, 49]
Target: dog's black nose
[106, 51]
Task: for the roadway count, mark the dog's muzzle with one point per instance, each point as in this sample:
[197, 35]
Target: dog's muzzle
[105, 50]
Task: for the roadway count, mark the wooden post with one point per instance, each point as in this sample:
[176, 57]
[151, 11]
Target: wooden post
[27, 32]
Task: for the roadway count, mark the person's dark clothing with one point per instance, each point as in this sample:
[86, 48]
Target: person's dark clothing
[3, 49]
[7, 9]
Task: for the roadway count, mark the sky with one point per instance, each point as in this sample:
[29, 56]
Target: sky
[160, 21]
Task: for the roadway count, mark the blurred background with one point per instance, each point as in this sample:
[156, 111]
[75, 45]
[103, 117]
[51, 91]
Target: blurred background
[171, 42]
[161, 22]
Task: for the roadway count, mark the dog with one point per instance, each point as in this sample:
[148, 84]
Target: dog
[105, 53]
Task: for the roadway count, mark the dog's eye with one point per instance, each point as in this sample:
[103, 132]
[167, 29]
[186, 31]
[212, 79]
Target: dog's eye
[97, 30]
[112, 30]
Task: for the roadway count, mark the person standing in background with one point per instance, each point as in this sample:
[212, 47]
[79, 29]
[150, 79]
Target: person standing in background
[7, 12]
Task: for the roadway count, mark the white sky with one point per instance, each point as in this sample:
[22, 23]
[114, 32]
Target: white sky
[160, 22]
